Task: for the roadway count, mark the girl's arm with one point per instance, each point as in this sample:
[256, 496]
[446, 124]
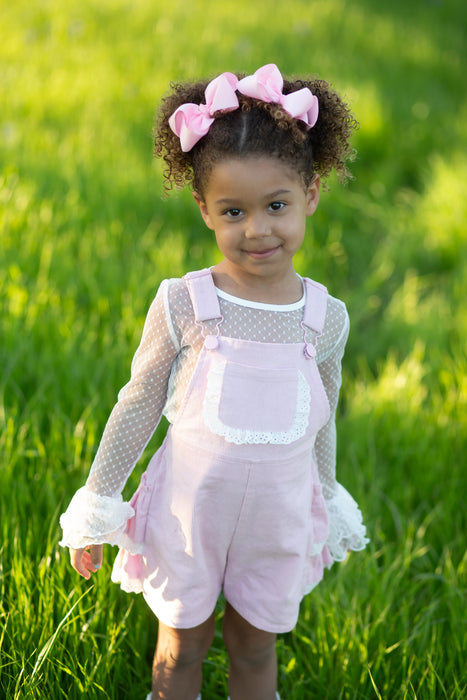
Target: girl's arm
[97, 513]
[331, 346]
[346, 530]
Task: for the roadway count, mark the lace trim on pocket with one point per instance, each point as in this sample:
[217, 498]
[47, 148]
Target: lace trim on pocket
[246, 436]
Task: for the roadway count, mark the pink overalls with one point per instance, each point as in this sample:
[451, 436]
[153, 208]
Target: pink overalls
[232, 501]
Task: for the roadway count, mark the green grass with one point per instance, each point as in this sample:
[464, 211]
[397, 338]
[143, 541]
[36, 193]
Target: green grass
[85, 241]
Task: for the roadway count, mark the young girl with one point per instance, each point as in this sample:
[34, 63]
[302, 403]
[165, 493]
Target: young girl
[244, 360]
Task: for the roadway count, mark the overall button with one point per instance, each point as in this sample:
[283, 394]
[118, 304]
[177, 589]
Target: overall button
[211, 342]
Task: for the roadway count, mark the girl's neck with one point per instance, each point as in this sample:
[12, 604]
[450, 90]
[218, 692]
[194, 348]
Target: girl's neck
[281, 291]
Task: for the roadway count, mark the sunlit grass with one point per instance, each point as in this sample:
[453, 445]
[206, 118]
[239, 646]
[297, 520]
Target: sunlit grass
[84, 243]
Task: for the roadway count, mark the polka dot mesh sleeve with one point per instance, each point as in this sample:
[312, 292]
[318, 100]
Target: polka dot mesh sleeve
[140, 403]
[329, 365]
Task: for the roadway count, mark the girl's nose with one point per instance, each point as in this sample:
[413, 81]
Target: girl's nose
[257, 227]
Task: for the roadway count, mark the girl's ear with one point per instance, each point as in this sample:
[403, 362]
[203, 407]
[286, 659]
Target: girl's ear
[312, 195]
[203, 209]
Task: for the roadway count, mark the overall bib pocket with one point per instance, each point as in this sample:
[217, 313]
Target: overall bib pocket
[253, 405]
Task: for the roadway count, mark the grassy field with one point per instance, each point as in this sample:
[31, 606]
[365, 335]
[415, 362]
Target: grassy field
[85, 240]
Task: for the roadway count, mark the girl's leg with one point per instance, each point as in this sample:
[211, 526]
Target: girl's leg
[176, 670]
[253, 661]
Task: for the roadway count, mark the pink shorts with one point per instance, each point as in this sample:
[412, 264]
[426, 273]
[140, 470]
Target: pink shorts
[210, 524]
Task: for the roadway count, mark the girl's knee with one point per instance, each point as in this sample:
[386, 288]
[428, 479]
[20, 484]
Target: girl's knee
[252, 653]
[245, 644]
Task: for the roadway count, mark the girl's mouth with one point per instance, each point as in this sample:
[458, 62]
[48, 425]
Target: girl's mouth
[261, 254]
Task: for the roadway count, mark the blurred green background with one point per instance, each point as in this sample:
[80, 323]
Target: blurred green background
[85, 240]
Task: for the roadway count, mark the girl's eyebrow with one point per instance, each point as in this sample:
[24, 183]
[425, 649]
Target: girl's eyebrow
[225, 201]
[268, 197]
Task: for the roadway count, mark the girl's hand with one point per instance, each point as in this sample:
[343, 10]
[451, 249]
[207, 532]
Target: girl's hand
[87, 560]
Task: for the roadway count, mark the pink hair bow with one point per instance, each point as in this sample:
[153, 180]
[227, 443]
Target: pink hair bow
[190, 122]
[266, 85]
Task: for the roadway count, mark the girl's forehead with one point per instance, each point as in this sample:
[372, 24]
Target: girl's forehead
[251, 172]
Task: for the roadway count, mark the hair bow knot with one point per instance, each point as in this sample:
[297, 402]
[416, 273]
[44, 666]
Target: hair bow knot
[266, 84]
[190, 122]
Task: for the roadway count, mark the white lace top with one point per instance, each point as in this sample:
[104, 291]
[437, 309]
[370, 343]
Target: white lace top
[160, 372]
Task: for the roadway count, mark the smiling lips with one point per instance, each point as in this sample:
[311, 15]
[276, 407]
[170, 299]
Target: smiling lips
[261, 254]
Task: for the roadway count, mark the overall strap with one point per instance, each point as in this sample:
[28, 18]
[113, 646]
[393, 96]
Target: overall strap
[203, 295]
[316, 300]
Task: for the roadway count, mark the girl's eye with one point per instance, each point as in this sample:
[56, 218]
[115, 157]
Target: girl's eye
[277, 206]
[233, 213]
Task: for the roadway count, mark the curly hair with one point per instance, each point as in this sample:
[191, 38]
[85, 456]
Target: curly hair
[257, 129]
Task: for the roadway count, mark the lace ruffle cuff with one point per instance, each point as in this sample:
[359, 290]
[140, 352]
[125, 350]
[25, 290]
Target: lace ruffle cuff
[93, 519]
[346, 529]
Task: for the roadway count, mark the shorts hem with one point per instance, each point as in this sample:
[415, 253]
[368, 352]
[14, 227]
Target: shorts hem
[178, 621]
[259, 622]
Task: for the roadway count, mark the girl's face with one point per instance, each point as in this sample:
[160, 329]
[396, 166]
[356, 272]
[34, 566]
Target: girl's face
[257, 208]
